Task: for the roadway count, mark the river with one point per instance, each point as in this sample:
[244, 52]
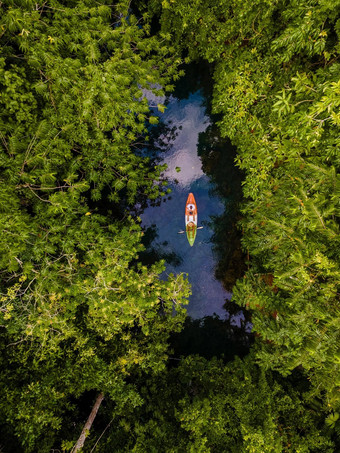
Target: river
[193, 149]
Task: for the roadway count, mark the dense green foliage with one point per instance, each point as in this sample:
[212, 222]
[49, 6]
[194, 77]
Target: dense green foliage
[79, 313]
[207, 406]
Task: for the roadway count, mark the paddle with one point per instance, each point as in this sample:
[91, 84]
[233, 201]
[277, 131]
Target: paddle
[182, 232]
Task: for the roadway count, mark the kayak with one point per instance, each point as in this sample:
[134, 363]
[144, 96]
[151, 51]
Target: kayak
[191, 218]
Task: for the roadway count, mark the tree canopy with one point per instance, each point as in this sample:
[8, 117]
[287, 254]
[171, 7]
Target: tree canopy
[213, 407]
[80, 313]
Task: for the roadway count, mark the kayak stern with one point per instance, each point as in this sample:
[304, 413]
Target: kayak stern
[191, 234]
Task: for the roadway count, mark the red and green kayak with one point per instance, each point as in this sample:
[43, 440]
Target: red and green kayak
[191, 219]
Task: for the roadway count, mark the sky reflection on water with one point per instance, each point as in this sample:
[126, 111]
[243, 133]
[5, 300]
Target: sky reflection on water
[190, 115]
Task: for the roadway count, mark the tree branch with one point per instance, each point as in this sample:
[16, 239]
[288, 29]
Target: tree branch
[80, 442]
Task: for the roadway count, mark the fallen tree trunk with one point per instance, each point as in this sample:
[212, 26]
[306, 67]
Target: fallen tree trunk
[80, 442]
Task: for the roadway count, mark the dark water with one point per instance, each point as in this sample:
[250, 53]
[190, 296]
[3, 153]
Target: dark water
[208, 295]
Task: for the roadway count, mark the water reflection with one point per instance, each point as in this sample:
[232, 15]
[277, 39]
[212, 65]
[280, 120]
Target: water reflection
[189, 116]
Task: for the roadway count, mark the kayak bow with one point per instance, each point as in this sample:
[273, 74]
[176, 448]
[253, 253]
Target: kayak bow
[191, 219]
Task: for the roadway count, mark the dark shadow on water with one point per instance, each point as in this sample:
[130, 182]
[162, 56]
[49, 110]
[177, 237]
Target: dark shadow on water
[213, 337]
[198, 77]
[218, 162]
